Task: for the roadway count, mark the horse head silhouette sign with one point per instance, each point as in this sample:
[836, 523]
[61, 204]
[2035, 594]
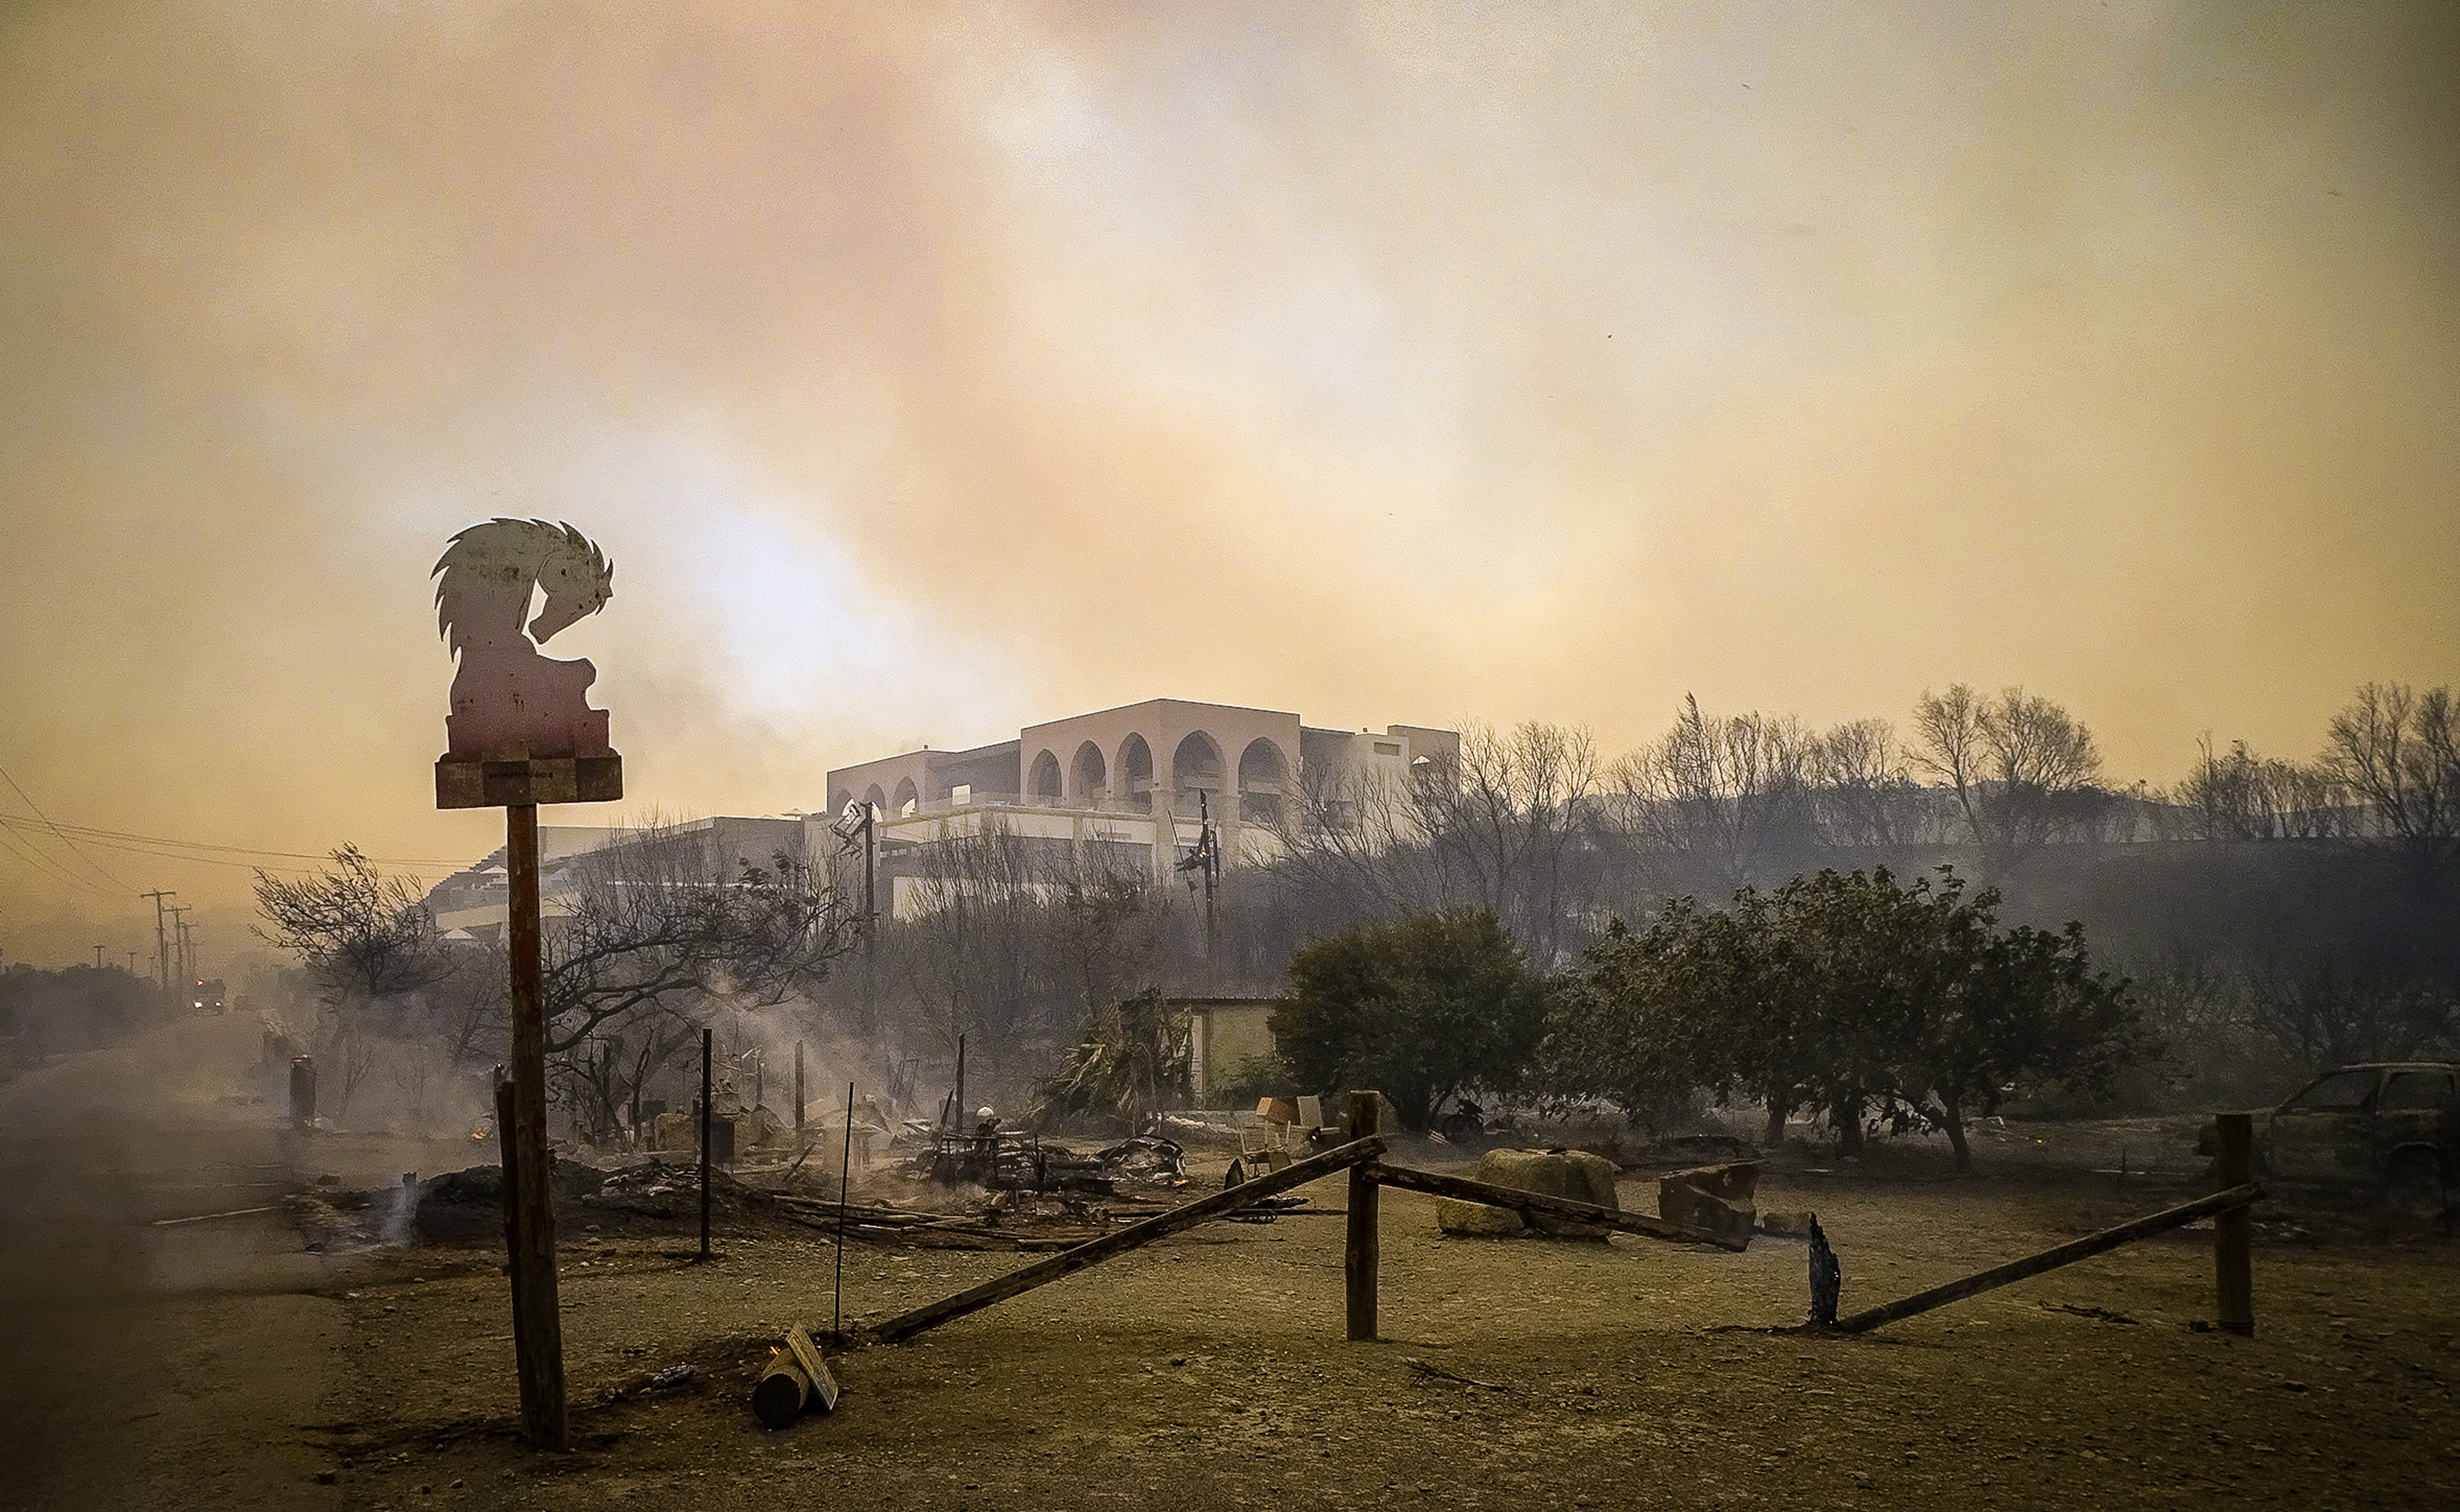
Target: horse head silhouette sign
[522, 730]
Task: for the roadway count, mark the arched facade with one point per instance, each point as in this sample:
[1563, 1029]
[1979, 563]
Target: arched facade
[877, 799]
[1195, 766]
[906, 800]
[1041, 785]
[1263, 771]
[1136, 772]
[1088, 775]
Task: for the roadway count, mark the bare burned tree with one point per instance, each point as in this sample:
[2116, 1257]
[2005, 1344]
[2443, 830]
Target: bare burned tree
[370, 946]
[2024, 769]
[1717, 796]
[359, 932]
[658, 925]
[1505, 830]
[2243, 796]
[2398, 751]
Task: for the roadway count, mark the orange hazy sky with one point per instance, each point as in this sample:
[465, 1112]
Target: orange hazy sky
[930, 370]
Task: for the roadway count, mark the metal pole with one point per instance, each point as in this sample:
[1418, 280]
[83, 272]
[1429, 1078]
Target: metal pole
[845, 1169]
[537, 1324]
[798, 1091]
[707, 1040]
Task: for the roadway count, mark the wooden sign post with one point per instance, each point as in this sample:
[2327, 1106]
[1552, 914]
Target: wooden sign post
[522, 733]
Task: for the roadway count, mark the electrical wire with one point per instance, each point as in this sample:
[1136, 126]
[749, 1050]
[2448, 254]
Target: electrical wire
[50, 867]
[91, 864]
[121, 840]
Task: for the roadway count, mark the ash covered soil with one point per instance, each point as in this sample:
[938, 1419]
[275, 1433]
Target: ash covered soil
[1210, 1370]
[227, 1363]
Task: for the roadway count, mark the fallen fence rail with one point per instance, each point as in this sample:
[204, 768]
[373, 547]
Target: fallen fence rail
[1068, 1262]
[2219, 1202]
[1532, 1203]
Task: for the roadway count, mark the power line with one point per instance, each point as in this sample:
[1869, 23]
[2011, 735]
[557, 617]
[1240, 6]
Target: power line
[90, 862]
[50, 867]
[139, 843]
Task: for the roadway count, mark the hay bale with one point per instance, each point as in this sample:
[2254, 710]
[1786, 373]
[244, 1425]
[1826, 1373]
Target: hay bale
[1575, 1175]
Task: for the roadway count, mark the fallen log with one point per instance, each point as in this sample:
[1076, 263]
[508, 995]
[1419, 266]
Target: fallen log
[2067, 1253]
[778, 1397]
[1530, 1204]
[1118, 1241]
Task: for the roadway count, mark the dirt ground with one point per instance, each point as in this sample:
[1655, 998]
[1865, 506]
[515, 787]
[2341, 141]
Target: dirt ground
[1209, 1371]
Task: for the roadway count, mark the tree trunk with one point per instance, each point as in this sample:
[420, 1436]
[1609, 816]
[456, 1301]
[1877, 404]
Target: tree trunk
[1847, 1118]
[1773, 1137]
[1954, 1122]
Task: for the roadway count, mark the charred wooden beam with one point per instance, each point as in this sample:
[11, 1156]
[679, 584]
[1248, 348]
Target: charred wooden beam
[2219, 1202]
[1068, 1262]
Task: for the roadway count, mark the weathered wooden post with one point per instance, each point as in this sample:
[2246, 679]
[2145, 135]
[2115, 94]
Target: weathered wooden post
[706, 1117]
[303, 1092]
[1365, 1118]
[2233, 1232]
[522, 733]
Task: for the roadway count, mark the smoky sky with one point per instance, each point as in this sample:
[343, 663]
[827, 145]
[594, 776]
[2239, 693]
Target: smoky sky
[932, 370]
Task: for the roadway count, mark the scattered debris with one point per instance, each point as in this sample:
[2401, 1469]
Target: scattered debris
[2097, 1314]
[1426, 1368]
[235, 1213]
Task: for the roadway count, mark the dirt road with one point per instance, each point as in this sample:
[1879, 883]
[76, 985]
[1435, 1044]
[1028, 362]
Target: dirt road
[157, 1365]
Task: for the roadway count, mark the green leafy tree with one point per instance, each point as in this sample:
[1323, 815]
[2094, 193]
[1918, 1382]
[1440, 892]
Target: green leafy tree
[1851, 992]
[2003, 1008]
[1418, 1010]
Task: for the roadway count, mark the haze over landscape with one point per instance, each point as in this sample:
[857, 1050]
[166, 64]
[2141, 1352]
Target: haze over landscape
[931, 373]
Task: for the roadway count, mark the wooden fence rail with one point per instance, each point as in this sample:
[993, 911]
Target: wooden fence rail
[1532, 1205]
[2219, 1202]
[1093, 1252]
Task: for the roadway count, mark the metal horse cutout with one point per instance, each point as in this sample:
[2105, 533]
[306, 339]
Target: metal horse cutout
[510, 702]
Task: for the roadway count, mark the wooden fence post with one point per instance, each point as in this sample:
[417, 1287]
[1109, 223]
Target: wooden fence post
[1364, 1117]
[2232, 1269]
[537, 1323]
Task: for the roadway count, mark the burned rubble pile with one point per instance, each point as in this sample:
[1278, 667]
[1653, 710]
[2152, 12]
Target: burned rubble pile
[997, 1190]
[974, 1192]
[466, 1206]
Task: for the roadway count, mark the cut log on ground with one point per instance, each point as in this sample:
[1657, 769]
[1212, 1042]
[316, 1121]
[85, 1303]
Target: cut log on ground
[1068, 1262]
[2068, 1254]
[778, 1397]
[1531, 1205]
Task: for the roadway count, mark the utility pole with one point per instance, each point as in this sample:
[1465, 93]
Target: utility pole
[870, 877]
[1206, 860]
[161, 937]
[180, 944]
